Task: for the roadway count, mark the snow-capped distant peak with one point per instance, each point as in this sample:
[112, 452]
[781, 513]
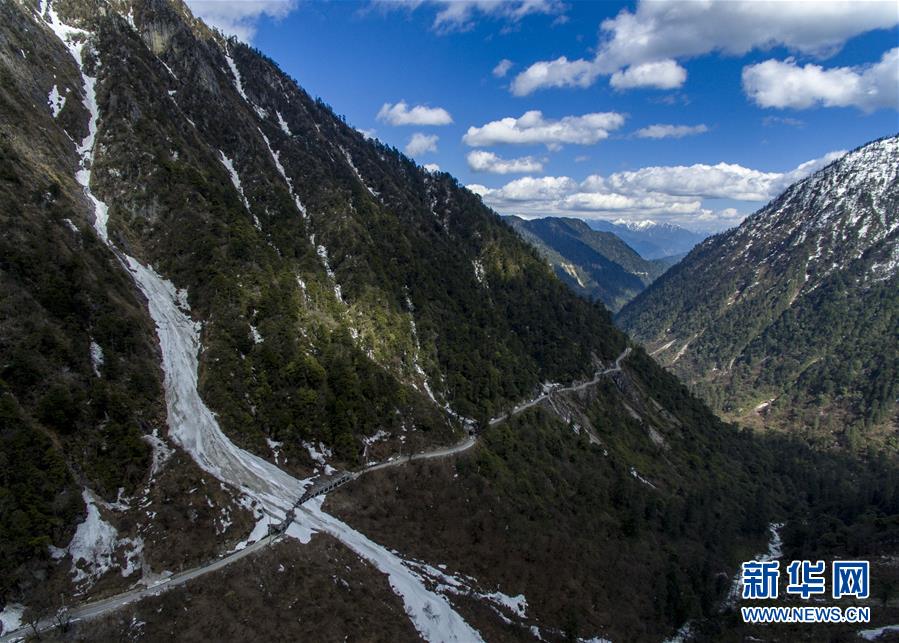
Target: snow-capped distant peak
[636, 225]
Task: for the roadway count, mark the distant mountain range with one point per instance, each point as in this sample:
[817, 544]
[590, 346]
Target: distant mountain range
[596, 265]
[790, 320]
[651, 239]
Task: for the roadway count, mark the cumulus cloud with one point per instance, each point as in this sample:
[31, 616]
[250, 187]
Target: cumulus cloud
[672, 192]
[784, 84]
[369, 134]
[461, 15]
[502, 68]
[670, 131]
[421, 144]
[431, 167]
[481, 161]
[560, 72]
[527, 189]
[401, 114]
[239, 17]
[664, 74]
[532, 129]
[657, 32]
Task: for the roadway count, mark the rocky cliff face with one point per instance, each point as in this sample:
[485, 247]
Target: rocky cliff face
[787, 319]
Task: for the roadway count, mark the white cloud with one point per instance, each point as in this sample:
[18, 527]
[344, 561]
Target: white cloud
[528, 189]
[482, 161]
[668, 31]
[670, 131]
[239, 17]
[431, 167]
[720, 181]
[560, 72]
[400, 114]
[784, 84]
[532, 129]
[670, 192]
[369, 134]
[461, 15]
[664, 74]
[502, 68]
[421, 144]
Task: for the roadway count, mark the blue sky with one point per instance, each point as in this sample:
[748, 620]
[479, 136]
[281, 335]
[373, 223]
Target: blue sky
[701, 111]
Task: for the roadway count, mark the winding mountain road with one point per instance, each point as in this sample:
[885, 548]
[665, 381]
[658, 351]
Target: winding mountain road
[93, 609]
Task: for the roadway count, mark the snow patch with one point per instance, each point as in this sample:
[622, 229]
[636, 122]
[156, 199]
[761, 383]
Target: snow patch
[161, 452]
[93, 545]
[134, 555]
[572, 272]
[235, 72]
[322, 253]
[11, 617]
[349, 160]
[874, 634]
[168, 69]
[479, 273]
[96, 357]
[56, 101]
[516, 604]
[276, 157]
[235, 181]
[259, 532]
[74, 40]
[283, 124]
[275, 448]
[320, 456]
[636, 474]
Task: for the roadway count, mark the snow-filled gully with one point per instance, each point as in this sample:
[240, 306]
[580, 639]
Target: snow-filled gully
[194, 428]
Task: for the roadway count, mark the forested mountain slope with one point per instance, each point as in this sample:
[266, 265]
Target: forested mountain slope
[791, 319]
[216, 292]
[597, 265]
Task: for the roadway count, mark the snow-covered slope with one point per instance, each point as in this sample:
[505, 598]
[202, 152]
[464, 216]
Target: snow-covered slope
[195, 429]
[806, 286]
[834, 217]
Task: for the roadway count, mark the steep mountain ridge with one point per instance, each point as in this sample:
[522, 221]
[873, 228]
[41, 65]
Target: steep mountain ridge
[806, 286]
[597, 265]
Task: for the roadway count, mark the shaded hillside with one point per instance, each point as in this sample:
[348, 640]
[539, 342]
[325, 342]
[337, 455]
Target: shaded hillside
[596, 265]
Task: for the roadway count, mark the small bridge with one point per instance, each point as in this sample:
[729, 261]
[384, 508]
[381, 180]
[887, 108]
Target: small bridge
[318, 488]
